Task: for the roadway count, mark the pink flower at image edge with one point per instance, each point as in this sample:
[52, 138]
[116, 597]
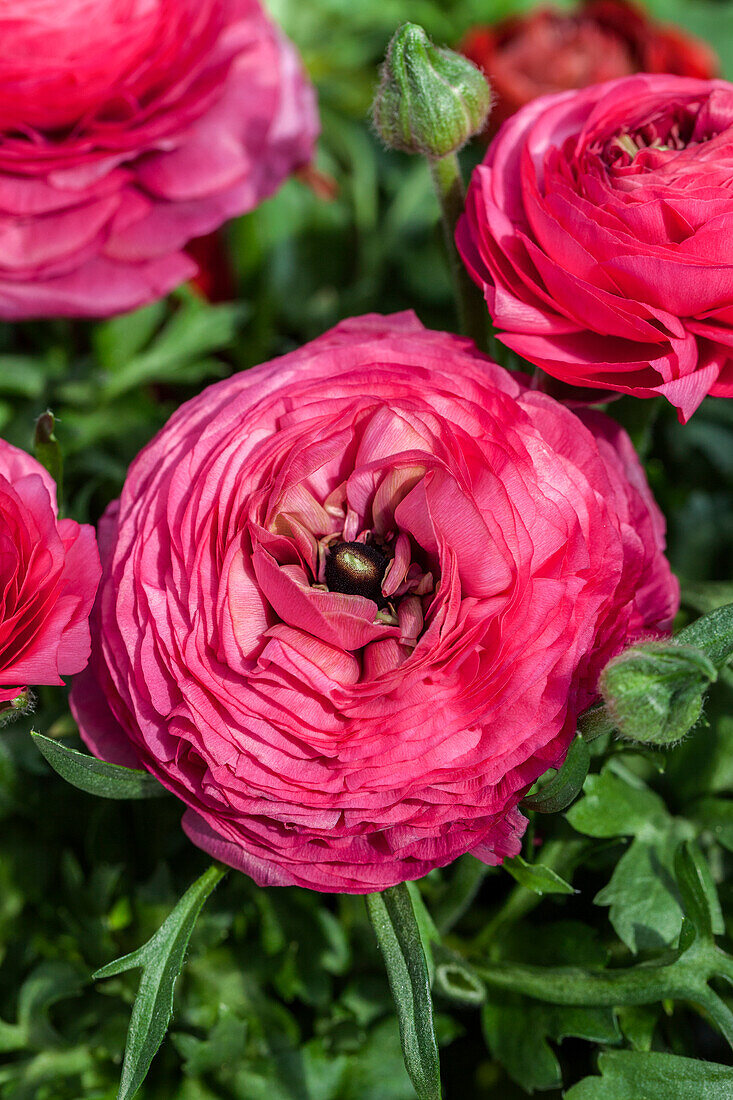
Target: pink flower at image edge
[49, 572]
[597, 228]
[112, 162]
[346, 739]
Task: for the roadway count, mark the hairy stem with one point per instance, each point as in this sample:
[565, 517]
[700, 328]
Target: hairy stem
[451, 193]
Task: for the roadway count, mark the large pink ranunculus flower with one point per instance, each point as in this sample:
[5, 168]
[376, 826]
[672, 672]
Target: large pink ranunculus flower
[599, 227]
[49, 572]
[129, 127]
[355, 599]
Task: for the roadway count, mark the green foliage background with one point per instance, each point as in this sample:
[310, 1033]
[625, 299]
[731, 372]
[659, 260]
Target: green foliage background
[284, 996]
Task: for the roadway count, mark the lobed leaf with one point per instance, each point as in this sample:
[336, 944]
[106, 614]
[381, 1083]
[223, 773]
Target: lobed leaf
[629, 1075]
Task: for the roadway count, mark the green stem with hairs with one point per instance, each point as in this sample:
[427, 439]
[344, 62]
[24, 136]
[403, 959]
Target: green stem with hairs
[685, 978]
[448, 184]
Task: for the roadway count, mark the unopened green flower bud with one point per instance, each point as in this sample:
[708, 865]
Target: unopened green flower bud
[46, 447]
[12, 708]
[429, 100]
[654, 692]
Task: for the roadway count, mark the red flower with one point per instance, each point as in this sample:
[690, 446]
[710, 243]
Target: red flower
[49, 571]
[598, 227]
[128, 128]
[345, 717]
[551, 51]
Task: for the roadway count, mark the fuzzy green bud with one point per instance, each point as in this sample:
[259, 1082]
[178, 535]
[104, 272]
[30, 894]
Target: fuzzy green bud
[429, 100]
[654, 692]
[12, 708]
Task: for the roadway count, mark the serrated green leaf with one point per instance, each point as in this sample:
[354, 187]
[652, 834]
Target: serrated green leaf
[97, 776]
[398, 934]
[565, 786]
[162, 960]
[628, 1075]
[536, 877]
[641, 896]
[517, 1031]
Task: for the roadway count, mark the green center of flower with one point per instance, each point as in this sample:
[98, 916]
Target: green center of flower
[356, 569]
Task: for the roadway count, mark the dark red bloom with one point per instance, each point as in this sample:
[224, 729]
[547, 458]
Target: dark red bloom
[552, 51]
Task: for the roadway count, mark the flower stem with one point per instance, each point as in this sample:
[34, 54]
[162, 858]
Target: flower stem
[684, 978]
[449, 188]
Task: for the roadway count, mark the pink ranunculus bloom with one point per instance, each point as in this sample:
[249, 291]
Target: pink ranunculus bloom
[598, 226]
[128, 128]
[354, 600]
[49, 572]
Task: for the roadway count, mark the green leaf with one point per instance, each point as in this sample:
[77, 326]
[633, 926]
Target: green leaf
[97, 776]
[397, 930]
[21, 375]
[536, 877]
[707, 596]
[191, 334]
[429, 934]
[641, 896]
[162, 960]
[566, 785]
[697, 888]
[116, 341]
[517, 1031]
[628, 1075]
[716, 816]
[713, 634]
[613, 807]
[52, 981]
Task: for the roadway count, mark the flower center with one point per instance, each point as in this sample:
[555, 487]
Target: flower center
[357, 569]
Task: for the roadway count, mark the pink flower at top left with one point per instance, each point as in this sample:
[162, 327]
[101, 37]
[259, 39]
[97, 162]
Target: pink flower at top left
[49, 572]
[128, 128]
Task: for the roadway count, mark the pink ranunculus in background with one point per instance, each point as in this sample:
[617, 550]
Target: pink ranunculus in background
[130, 127]
[550, 50]
[354, 600]
[598, 227]
[49, 572]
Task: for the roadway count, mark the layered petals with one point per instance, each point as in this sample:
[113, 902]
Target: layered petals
[49, 572]
[113, 159]
[355, 599]
[596, 227]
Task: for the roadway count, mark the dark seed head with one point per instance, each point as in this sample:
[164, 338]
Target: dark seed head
[357, 569]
